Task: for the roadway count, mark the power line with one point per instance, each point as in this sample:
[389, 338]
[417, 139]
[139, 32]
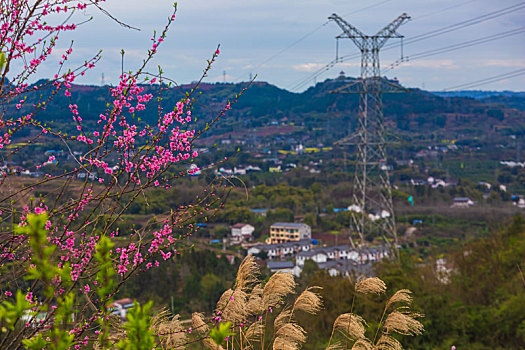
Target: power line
[420, 37]
[366, 8]
[441, 11]
[457, 46]
[292, 44]
[468, 43]
[462, 24]
[488, 80]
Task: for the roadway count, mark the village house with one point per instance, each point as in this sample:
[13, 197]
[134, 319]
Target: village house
[241, 232]
[462, 202]
[283, 266]
[316, 255]
[281, 250]
[347, 268]
[259, 211]
[281, 232]
[343, 253]
[121, 307]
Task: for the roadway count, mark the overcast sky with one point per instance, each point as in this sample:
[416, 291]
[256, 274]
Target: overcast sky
[256, 37]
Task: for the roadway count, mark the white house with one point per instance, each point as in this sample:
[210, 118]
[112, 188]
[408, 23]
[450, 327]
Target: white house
[462, 202]
[242, 232]
[316, 255]
[121, 307]
[281, 250]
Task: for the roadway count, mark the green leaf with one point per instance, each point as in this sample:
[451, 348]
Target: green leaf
[220, 333]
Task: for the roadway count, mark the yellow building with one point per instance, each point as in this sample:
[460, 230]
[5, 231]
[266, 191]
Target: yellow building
[281, 232]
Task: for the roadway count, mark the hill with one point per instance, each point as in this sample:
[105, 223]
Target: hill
[270, 115]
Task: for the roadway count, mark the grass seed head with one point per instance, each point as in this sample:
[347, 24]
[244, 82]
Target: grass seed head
[371, 285]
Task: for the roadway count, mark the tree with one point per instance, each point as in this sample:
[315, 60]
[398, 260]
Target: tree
[62, 288]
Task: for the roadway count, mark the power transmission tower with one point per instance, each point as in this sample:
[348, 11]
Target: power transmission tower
[372, 192]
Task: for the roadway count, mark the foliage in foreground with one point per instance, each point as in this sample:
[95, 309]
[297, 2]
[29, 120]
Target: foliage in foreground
[257, 314]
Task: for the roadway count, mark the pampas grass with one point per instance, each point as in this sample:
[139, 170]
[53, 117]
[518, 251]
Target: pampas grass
[388, 343]
[403, 323]
[402, 296]
[372, 285]
[362, 344]
[169, 329]
[232, 306]
[254, 305]
[282, 319]
[352, 324]
[397, 318]
[277, 287]
[254, 331]
[308, 301]
[247, 274]
[289, 336]
[256, 309]
[198, 324]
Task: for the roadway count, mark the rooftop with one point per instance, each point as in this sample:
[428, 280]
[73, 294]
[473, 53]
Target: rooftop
[239, 225]
[277, 265]
[288, 224]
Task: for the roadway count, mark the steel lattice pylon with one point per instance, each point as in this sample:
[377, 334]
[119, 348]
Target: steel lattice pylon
[372, 192]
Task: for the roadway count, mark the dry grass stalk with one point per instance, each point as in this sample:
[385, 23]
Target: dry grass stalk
[255, 331]
[247, 274]
[169, 330]
[116, 331]
[308, 302]
[402, 296]
[336, 346]
[353, 325]
[289, 336]
[210, 344]
[283, 344]
[278, 286]
[282, 319]
[388, 343]
[232, 305]
[372, 285]
[403, 323]
[254, 305]
[198, 324]
[362, 344]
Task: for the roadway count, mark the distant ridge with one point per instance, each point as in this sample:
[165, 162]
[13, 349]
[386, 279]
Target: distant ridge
[479, 94]
[266, 113]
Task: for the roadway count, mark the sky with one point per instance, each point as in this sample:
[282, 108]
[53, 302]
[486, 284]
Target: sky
[286, 42]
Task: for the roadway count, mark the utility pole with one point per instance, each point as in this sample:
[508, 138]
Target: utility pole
[372, 192]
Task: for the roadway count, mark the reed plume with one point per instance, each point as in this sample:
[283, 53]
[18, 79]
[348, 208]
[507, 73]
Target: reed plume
[403, 323]
[254, 305]
[232, 305]
[336, 346]
[289, 336]
[247, 275]
[168, 329]
[308, 302]
[371, 285]
[198, 324]
[362, 344]
[402, 296]
[254, 331]
[352, 324]
[388, 343]
[283, 318]
[277, 287]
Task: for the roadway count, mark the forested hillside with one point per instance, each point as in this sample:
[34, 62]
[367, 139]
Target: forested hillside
[326, 116]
